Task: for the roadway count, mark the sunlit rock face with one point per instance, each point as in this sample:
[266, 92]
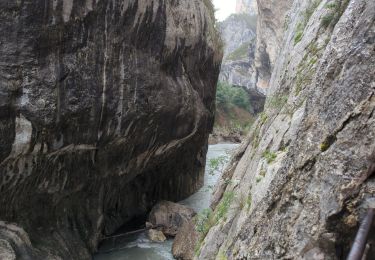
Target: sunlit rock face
[301, 183]
[105, 108]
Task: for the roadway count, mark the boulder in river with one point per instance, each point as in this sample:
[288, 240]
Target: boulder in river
[6, 251]
[156, 235]
[185, 242]
[169, 216]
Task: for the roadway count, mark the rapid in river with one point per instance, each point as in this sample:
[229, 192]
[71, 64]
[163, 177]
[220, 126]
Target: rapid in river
[138, 246]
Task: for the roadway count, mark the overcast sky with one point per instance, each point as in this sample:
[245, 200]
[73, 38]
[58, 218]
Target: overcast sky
[225, 8]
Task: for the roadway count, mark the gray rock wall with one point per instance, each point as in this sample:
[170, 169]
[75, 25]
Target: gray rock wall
[105, 108]
[238, 32]
[303, 179]
[272, 21]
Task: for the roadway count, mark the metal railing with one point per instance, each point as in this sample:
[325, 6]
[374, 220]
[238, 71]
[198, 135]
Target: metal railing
[360, 241]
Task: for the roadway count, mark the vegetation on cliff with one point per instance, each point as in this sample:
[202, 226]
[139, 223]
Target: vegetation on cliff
[234, 112]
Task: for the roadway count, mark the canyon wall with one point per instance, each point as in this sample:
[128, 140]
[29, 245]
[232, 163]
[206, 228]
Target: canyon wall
[105, 108]
[272, 20]
[238, 99]
[246, 6]
[238, 32]
[303, 180]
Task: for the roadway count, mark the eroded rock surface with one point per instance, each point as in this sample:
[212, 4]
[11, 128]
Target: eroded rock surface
[156, 235]
[185, 242]
[105, 108]
[169, 217]
[238, 32]
[272, 20]
[301, 183]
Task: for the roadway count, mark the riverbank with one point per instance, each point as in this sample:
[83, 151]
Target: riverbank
[138, 245]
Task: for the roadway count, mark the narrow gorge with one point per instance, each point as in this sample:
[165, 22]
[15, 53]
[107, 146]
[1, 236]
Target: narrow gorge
[238, 98]
[107, 109]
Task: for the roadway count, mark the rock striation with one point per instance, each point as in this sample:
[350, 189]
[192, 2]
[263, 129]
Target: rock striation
[105, 108]
[300, 184]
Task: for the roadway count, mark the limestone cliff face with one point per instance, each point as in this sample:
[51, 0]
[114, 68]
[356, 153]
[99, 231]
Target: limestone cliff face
[300, 184]
[246, 6]
[105, 108]
[238, 32]
[272, 20]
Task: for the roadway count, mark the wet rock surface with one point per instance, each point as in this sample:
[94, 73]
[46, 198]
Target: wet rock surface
[106, 107]
[156, 235]
[169, 217]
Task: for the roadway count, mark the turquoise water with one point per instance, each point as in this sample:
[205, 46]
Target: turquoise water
[138, 246]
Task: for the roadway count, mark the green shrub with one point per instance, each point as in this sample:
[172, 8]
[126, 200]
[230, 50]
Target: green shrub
[269, 156]
[298, 37]
[217, 164]
[240, 53]
[327, 143]
[221, 256]
[327, 20]
[336, 9]
[249, 200]
[276, 101]
[323, 146]
[203, 221]
[241, 200]
[332, 6]
[206, 219]
[263, 117]
[228, 95]
[256, 137]
[223, 207]
[306, 15]
[310, 10]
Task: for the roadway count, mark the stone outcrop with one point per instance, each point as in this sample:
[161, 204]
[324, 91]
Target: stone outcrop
[240, 71]
[185, 241]
[238, 32]
[272, 21]
[303, 179]
[105, 108]
[169, 217]
[156, 235]
[247, 6]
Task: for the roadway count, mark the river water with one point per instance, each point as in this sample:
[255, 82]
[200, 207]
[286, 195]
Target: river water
[138, 246]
